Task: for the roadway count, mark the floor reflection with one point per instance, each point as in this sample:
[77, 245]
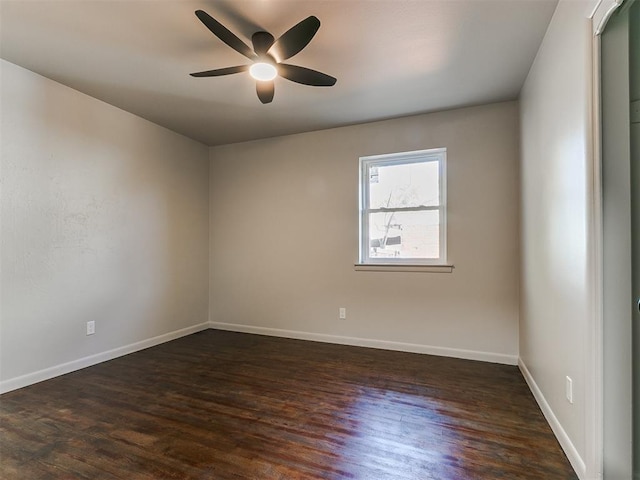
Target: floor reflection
[396, 435]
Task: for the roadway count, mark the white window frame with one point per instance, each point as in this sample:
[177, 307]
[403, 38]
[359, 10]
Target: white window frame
[420, 156]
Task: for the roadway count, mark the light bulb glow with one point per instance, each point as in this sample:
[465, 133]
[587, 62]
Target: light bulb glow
[263, 71]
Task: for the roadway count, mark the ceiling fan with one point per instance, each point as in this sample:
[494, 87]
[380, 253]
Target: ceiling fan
[268, 54]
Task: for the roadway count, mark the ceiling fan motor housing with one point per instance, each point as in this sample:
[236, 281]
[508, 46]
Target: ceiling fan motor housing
[262, 42]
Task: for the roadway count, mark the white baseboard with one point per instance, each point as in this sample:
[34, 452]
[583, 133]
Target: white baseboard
[57, 370]
[565, 442]
[371, 343]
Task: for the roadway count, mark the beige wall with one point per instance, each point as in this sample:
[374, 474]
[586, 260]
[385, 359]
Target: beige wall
[556, 312]
[284, 238]
[104, 218]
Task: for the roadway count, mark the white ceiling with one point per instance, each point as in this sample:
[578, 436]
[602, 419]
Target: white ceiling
[391, 58]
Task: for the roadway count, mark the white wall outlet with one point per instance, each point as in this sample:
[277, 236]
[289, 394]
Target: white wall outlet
[569, 389]
[91, 327]
[343, 313]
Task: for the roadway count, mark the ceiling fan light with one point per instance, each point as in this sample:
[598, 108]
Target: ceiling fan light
[263, 71]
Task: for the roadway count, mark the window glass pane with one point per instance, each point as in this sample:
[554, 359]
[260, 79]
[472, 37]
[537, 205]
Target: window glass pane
[407, 185]
[404, 235]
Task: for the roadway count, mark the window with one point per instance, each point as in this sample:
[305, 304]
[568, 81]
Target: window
[403, 208]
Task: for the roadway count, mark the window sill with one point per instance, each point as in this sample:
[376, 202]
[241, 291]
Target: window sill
[386, 267]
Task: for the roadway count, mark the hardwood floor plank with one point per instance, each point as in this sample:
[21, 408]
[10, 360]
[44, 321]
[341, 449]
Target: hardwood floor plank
[222, 405]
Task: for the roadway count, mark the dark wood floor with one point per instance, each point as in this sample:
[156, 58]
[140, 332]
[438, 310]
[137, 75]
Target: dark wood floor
[220, 405]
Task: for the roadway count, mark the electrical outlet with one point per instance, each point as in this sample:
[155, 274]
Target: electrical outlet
[343, 313]
[91, 327]
[569, 389]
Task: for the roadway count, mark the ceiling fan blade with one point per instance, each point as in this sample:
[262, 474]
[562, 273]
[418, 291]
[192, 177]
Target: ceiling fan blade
[305, 76]
[221, 71]
[294, 39]
[224, 34]
[265, 91]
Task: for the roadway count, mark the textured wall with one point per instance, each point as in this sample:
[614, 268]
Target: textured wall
[104, 218]
[284, 235]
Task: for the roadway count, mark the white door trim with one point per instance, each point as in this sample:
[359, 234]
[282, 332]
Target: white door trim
[594, 413]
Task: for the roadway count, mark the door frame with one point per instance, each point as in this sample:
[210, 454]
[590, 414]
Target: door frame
[600, 16]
